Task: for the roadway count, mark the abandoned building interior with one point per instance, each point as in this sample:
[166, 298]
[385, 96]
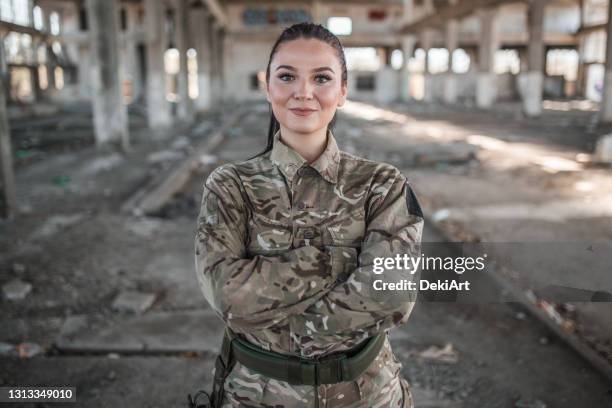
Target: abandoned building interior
[114, 112]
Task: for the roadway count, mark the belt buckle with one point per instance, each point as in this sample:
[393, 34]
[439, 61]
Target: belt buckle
[330, 363]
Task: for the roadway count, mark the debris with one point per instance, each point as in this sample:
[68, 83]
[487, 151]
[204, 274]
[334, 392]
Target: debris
[55, 223]
[522, 403]
[603, 150]
[18, 268]
[27, 350]
[544, 340]
[164, 156]
[521, 316]
[445, 354]
[113, 356]
[440, 215]
[135, 302]
[26, 209]
[6, 349]
[111, 376]
[206, 159]
[16, 289]
[101, 164]
[61, 181]
[144, 227]
[181, 142]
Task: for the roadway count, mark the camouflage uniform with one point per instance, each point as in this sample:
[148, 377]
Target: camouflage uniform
[284, 255]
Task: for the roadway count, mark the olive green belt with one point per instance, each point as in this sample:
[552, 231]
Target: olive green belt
[339, 367]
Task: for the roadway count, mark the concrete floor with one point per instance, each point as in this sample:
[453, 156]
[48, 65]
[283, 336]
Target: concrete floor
[79, 252]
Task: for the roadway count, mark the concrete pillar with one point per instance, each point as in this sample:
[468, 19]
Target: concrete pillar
[317, 12]
[486, 81]
[426, 44]
[408, 43]
[225, 45]
[34, 70]
[109, 111]
[200, 34]
[451, 40]
[532, 82]
[386, 85]
[216, 52]
[84, 71]
[408, 11]
[158, 107]
[8, 195]
[605, 110]
[185, 105]
[132, 63]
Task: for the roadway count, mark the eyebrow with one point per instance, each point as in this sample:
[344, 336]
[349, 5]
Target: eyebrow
[289, 67]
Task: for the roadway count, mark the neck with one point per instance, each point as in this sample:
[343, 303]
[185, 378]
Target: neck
[309, 145]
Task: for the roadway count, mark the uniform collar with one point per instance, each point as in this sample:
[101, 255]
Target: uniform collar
[289, 161]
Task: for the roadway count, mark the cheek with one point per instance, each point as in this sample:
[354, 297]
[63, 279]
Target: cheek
[279, 94]
[328, 97]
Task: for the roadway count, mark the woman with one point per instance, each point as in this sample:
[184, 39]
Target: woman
[286, 246]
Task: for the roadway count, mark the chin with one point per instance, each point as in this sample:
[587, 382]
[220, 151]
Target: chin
[302, 127]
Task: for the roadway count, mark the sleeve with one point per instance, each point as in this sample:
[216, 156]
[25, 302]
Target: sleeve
[353, 307]
[257, 292]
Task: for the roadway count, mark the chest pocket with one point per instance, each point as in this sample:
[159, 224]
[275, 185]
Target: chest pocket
[266, 236]
[348, 229]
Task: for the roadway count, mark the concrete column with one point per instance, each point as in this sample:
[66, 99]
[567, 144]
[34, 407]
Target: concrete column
[408, 11]
[450, 83]
[532, 82]
[408, 43]
[34, 70]
[185, 105]
[200, 35]
[158, 107]
[386, 85]
[109, 111]
[426, 44]
[486, 81]
[84, 71]
[132, 64]
[317, 12]
[225, 45]
[605, 110]
[215, 74]
[8, 195]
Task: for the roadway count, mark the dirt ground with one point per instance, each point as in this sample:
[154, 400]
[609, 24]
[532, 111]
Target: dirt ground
[79, 251]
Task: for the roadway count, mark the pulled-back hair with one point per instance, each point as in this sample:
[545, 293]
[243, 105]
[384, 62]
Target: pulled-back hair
[303, 30]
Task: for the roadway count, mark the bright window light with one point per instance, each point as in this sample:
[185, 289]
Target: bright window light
[340, 25]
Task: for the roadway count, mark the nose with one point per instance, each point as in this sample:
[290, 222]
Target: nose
[304, 89]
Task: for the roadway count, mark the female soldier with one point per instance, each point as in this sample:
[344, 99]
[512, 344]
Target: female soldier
[286, 245]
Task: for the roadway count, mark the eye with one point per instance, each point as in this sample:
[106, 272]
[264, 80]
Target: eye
[321, 79]
[285, 77]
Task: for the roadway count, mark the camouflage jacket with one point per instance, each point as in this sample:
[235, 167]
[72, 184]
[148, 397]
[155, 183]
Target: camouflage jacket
[285, 249]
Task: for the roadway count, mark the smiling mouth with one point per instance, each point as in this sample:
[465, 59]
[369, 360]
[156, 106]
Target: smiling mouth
[302, 112]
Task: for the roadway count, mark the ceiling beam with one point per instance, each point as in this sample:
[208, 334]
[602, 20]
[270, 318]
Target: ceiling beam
[215, 8]
[463, 8]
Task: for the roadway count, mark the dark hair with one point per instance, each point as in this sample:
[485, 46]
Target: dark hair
[303, 30]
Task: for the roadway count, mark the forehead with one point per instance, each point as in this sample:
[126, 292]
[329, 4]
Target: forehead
[305, 53]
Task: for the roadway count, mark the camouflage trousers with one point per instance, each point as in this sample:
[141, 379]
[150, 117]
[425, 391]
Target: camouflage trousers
[381, 385]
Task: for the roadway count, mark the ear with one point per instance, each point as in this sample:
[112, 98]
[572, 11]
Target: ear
[343, 94]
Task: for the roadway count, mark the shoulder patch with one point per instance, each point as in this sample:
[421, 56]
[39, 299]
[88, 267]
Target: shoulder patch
[412, 203]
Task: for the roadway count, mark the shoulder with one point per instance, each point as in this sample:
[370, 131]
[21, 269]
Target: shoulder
[379, 176]
[235, 172]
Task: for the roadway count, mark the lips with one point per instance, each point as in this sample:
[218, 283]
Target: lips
[302, 112]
